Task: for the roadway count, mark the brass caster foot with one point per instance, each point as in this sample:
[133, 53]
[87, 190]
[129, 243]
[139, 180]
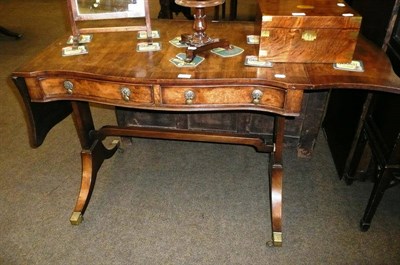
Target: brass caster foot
[364, 226]
[120, 148]
[276, 240]
[76, 218]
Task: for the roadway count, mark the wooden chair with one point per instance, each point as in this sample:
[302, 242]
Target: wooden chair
[381, 131]
[370, 147]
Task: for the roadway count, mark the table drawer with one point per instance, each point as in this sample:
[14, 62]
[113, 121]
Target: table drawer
[222, 95]
[95, 90]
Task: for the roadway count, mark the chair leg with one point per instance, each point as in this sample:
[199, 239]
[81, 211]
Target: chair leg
[10, 33]
[381, 184]
[233, 10]
[168, 8]
[358, 151]
[165, 11]
[216, 12]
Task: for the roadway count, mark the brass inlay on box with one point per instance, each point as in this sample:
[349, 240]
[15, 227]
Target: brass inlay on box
[265, 33]
[305, 7]
[309, 35]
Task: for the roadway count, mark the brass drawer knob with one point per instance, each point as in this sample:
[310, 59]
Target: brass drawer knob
[125, 93]
[189, 96]
[256, 95]
[69, 86]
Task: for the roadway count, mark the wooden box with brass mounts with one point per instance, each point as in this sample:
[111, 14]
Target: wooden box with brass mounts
[307, 31]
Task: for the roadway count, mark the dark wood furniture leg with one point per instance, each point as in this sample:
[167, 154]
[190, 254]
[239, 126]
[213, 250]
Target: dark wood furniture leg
[233, 10]
[165, 11]
[381, 131]
[384, 181]
[10, 33]
[314, 113]
[168, 7]
[388, 173]
[223, 12]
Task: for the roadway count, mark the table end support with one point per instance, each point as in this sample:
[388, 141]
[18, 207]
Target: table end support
[92, 160]
[276, 181]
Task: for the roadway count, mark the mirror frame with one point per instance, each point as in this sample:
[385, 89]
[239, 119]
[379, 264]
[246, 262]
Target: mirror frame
[75, 16]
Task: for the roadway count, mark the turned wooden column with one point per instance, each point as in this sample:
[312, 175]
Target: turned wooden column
[199, 41]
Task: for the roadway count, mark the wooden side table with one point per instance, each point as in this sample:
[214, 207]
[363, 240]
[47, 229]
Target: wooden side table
[114, 74]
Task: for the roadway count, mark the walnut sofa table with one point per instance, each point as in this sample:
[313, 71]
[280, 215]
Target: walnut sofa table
[114, 73]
